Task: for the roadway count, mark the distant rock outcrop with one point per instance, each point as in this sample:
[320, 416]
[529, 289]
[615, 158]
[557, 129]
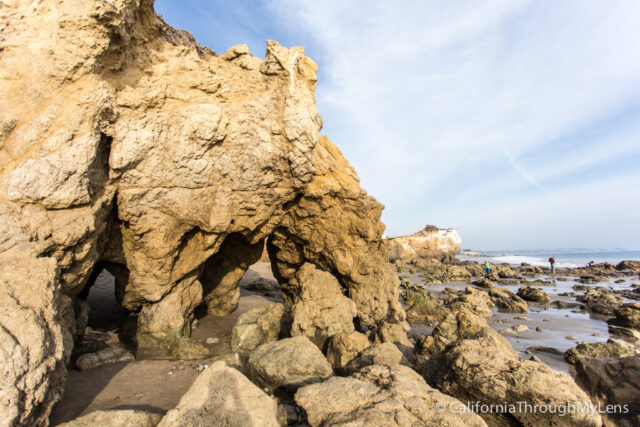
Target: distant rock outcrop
[125, 145]
[430, 243]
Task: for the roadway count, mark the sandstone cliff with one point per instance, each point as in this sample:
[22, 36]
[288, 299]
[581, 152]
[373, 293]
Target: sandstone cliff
[125, 145]
[430, 243]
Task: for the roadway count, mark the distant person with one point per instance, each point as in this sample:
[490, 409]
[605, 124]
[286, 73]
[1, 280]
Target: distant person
[487, 267]
[552, 261]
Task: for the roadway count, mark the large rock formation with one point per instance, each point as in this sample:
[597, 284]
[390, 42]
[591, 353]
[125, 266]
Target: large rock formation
[430, 243]
[125, 145]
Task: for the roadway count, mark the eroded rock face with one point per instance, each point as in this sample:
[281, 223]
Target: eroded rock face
[259, 326]
[382, 396]
[126, 145]
[430, 243]
[116, 418]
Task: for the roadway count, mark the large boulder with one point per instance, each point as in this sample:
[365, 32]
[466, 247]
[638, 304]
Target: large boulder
[343, 347]
[627, 316]
[116, 418]
[427, 244]
[288, 363]
[382, 396]
[478, 301]
[126, 145]
[222, 396]
[507, 301]
[487, 371]
[530, 293]
[424, 308]
[320, 310]
[386, 354]
[613, 381]
[599, 350]
[601, 301]
[258, 326]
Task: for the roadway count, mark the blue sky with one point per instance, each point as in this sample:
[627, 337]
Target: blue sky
[515, 122]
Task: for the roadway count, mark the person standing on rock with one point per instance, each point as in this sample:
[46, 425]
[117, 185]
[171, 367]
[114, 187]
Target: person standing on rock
[487, 267]
[552, 261]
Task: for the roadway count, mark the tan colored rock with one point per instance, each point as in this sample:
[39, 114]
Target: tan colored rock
[599, 350]
[320, 310]
[428, 243]
[223, 271]
[424, 309]
[116, 418]
[126, 145]
[335, 216]
[36, 338]
[485, 370]
[382, 396]
[386, 354]
[343, 347]
[222, 396]
[475, 299]
[288, 363]
[507, 301]
[530, 293]
[259, 326]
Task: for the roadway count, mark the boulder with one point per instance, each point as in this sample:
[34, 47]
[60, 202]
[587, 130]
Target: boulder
[633, 266]
[320, 310]
[478, 301]
[488, 371]
[288, 364]
[599, 349]
[258, 326]
[627, 316]
[382, 396]
[613, 381]
[424, 308]
[222, 396]
[427, 244]
[530, 293]
[506, 301]
[601, 301]
[343, 347]
[386, 354]
[102, 357]
[463, 324]
[116, 418]
[483, 283]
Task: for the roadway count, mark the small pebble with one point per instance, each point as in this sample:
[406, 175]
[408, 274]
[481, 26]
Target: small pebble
[213, 340]
[571, 338]
[538, 329]
[595, 334]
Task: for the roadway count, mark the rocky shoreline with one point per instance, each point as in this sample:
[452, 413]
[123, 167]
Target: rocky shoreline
[143, 177]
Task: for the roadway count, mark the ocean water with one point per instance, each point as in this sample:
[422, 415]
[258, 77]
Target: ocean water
[564, 258]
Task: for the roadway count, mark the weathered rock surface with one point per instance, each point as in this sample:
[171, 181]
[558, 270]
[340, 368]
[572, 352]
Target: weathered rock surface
[343, 347]
[599, 349]
[530, 293]
[259, 326]
[424, 309]
[428, 243]
[478, 301]
[386, 354]
[614, 381]
[222, 396]
[288, 363]
[382, 396]
[486, 370]
[601, 301]
[125, 145]
[507, 301]
[116, 418]
[320, 310]
[627, 316]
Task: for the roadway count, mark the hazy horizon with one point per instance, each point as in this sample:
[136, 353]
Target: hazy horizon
[515, 122]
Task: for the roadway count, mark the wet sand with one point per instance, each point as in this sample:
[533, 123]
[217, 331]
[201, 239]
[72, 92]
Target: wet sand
[154, 385]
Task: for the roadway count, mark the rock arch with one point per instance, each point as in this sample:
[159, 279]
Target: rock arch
[125, 144]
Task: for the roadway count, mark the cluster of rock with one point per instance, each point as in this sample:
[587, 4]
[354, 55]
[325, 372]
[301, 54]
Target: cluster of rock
[126, 146]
